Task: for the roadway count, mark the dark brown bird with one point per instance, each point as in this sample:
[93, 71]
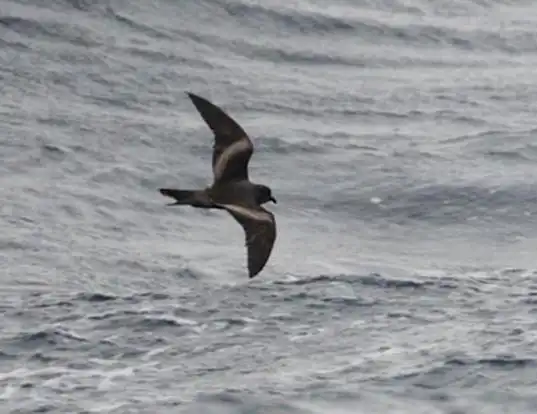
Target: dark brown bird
[231, 189]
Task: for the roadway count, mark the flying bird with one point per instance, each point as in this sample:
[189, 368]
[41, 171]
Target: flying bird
[231, 189]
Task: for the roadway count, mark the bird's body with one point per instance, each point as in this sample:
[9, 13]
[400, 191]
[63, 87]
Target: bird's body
[231, 189]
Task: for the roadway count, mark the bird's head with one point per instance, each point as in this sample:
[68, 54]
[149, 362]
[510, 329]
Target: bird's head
[264, 194]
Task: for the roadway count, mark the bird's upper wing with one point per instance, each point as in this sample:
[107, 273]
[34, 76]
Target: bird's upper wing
[260, 230]
[232, 147]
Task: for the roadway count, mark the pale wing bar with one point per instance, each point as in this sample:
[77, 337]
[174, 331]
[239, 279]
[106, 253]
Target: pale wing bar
[235, 153]
[260, 233]
[228, 134]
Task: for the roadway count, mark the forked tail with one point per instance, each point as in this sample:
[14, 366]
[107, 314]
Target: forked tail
[195, 198]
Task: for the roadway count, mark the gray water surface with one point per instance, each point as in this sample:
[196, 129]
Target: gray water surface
[399, 140]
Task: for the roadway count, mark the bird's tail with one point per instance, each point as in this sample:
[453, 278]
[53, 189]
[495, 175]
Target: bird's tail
[195, 198]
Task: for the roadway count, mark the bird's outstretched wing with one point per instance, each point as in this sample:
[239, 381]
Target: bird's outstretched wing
[260, 231]
[232, 148]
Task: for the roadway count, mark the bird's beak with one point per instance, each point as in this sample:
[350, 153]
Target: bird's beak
[273, 200]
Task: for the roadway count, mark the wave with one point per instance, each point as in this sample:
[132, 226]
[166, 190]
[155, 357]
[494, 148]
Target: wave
[348, 23]
[438, 204]
[53, 29]
[292, 20]
[465, 371]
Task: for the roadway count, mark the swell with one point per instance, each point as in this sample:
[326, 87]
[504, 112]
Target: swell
[346, 31]
[441, 204]
[292, 21]
[352, 27]
[463, 371]
[52, 29]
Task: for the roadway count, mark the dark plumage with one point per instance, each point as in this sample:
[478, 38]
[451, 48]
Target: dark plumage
[231, 189]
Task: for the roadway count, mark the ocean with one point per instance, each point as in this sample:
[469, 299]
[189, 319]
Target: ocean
[399, 139]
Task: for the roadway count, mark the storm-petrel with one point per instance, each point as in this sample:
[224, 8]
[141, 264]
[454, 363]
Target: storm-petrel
[231, 189]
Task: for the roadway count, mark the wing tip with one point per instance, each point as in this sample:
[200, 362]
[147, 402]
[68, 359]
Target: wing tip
[255, 269]
[196, 98]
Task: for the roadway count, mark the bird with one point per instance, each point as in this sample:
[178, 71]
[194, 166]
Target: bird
[231, 189]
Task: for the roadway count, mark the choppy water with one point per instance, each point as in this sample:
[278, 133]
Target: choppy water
[399, 140]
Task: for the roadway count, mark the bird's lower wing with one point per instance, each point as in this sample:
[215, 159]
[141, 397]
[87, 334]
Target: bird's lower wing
[260, 233]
